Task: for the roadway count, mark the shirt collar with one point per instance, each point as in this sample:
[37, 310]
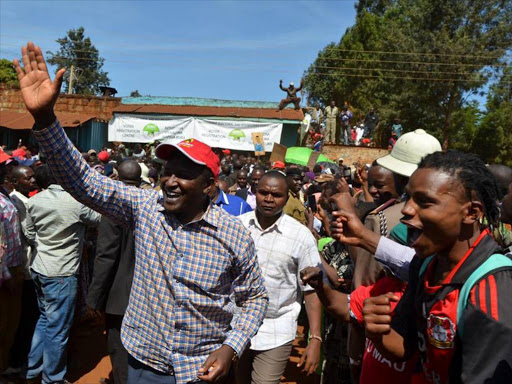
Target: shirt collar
[55, 187]
[19, 195]
[210, 216]
[274, 227]
[292, 194]
[222, 199]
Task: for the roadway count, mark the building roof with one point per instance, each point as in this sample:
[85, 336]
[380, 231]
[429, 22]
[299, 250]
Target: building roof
[24, 120]
[198, 102]
[194, 106]
[192, 110]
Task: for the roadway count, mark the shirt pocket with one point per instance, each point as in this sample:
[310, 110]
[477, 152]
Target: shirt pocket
[208, 272]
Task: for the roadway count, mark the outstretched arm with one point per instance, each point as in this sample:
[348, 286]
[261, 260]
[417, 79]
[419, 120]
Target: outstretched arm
[281, 86]
[40, 94]
[301, 85]
[334, 301]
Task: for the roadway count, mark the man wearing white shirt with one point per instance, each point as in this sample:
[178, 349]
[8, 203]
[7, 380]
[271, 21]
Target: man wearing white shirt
[284, 248]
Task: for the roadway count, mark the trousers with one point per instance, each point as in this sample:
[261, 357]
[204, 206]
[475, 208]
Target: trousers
[330, 130]
[56, 297]
[116, 350]
[10, 309]
[139, 373]
[263, 367]
[28, 320]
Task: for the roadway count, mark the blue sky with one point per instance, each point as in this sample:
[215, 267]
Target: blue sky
[219, 49]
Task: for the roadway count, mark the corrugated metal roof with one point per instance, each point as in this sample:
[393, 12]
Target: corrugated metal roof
[24, 120]
[235, 112]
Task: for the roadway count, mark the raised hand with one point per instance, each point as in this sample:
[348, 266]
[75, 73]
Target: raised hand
[377, 315]
[37, 89]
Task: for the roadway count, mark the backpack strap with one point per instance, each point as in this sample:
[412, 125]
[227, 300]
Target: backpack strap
[424, 265]
[493, 263]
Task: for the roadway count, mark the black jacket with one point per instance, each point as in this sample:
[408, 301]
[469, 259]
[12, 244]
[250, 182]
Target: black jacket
[113, 268]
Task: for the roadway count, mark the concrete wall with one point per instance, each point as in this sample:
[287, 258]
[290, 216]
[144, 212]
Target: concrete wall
[101, 107]
[352, 154]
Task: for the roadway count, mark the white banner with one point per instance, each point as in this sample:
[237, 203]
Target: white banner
[236, 134]
[146, 129]
[232, 134]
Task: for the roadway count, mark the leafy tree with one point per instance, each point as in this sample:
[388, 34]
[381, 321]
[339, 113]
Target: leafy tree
[417, 60]
[135, 93]
[7, 73]
[493, 141]
[78, 50]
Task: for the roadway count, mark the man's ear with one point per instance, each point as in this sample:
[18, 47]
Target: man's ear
[474, 212]
[209, 184]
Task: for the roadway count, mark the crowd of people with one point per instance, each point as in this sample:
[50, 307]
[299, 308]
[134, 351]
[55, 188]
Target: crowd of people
[332, 125]
[202, 261]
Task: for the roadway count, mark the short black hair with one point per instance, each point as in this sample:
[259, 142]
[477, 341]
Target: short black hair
[274, 174]
[473, 175]
[44, 176]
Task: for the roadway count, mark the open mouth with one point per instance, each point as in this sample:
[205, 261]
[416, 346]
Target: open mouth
[172, 197]
[413, 235]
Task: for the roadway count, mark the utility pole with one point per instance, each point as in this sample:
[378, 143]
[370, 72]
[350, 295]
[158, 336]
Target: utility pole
[71, 74]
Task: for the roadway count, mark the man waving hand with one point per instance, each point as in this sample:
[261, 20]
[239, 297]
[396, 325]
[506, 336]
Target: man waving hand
[190, 255]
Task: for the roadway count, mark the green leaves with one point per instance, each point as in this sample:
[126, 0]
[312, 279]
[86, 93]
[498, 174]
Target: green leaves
[417, 60]
[7, 73]
[76, 49]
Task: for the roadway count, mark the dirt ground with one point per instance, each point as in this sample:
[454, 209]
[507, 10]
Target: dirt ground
[89, 362]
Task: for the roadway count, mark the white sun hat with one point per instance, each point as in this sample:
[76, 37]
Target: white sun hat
[408, 151]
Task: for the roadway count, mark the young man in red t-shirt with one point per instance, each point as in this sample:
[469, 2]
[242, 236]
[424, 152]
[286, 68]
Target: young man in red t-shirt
[451, 195]
[349, 308]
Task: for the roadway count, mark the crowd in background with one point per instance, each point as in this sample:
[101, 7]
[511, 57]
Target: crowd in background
[333, 125]
[202, 262]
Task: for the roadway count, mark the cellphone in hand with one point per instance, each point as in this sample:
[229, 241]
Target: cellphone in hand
[312, 203]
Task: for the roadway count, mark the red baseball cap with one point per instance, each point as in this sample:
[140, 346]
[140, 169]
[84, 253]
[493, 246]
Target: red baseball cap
[195, 150]
[4, 156]
[278, 165]
[226, 151]
[103, 156]
[20, 152]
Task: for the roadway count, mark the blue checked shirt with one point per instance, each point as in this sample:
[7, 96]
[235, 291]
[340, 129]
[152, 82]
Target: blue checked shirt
[180, 308]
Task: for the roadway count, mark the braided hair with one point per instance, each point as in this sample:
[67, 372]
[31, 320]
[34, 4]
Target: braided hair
[473, 175]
